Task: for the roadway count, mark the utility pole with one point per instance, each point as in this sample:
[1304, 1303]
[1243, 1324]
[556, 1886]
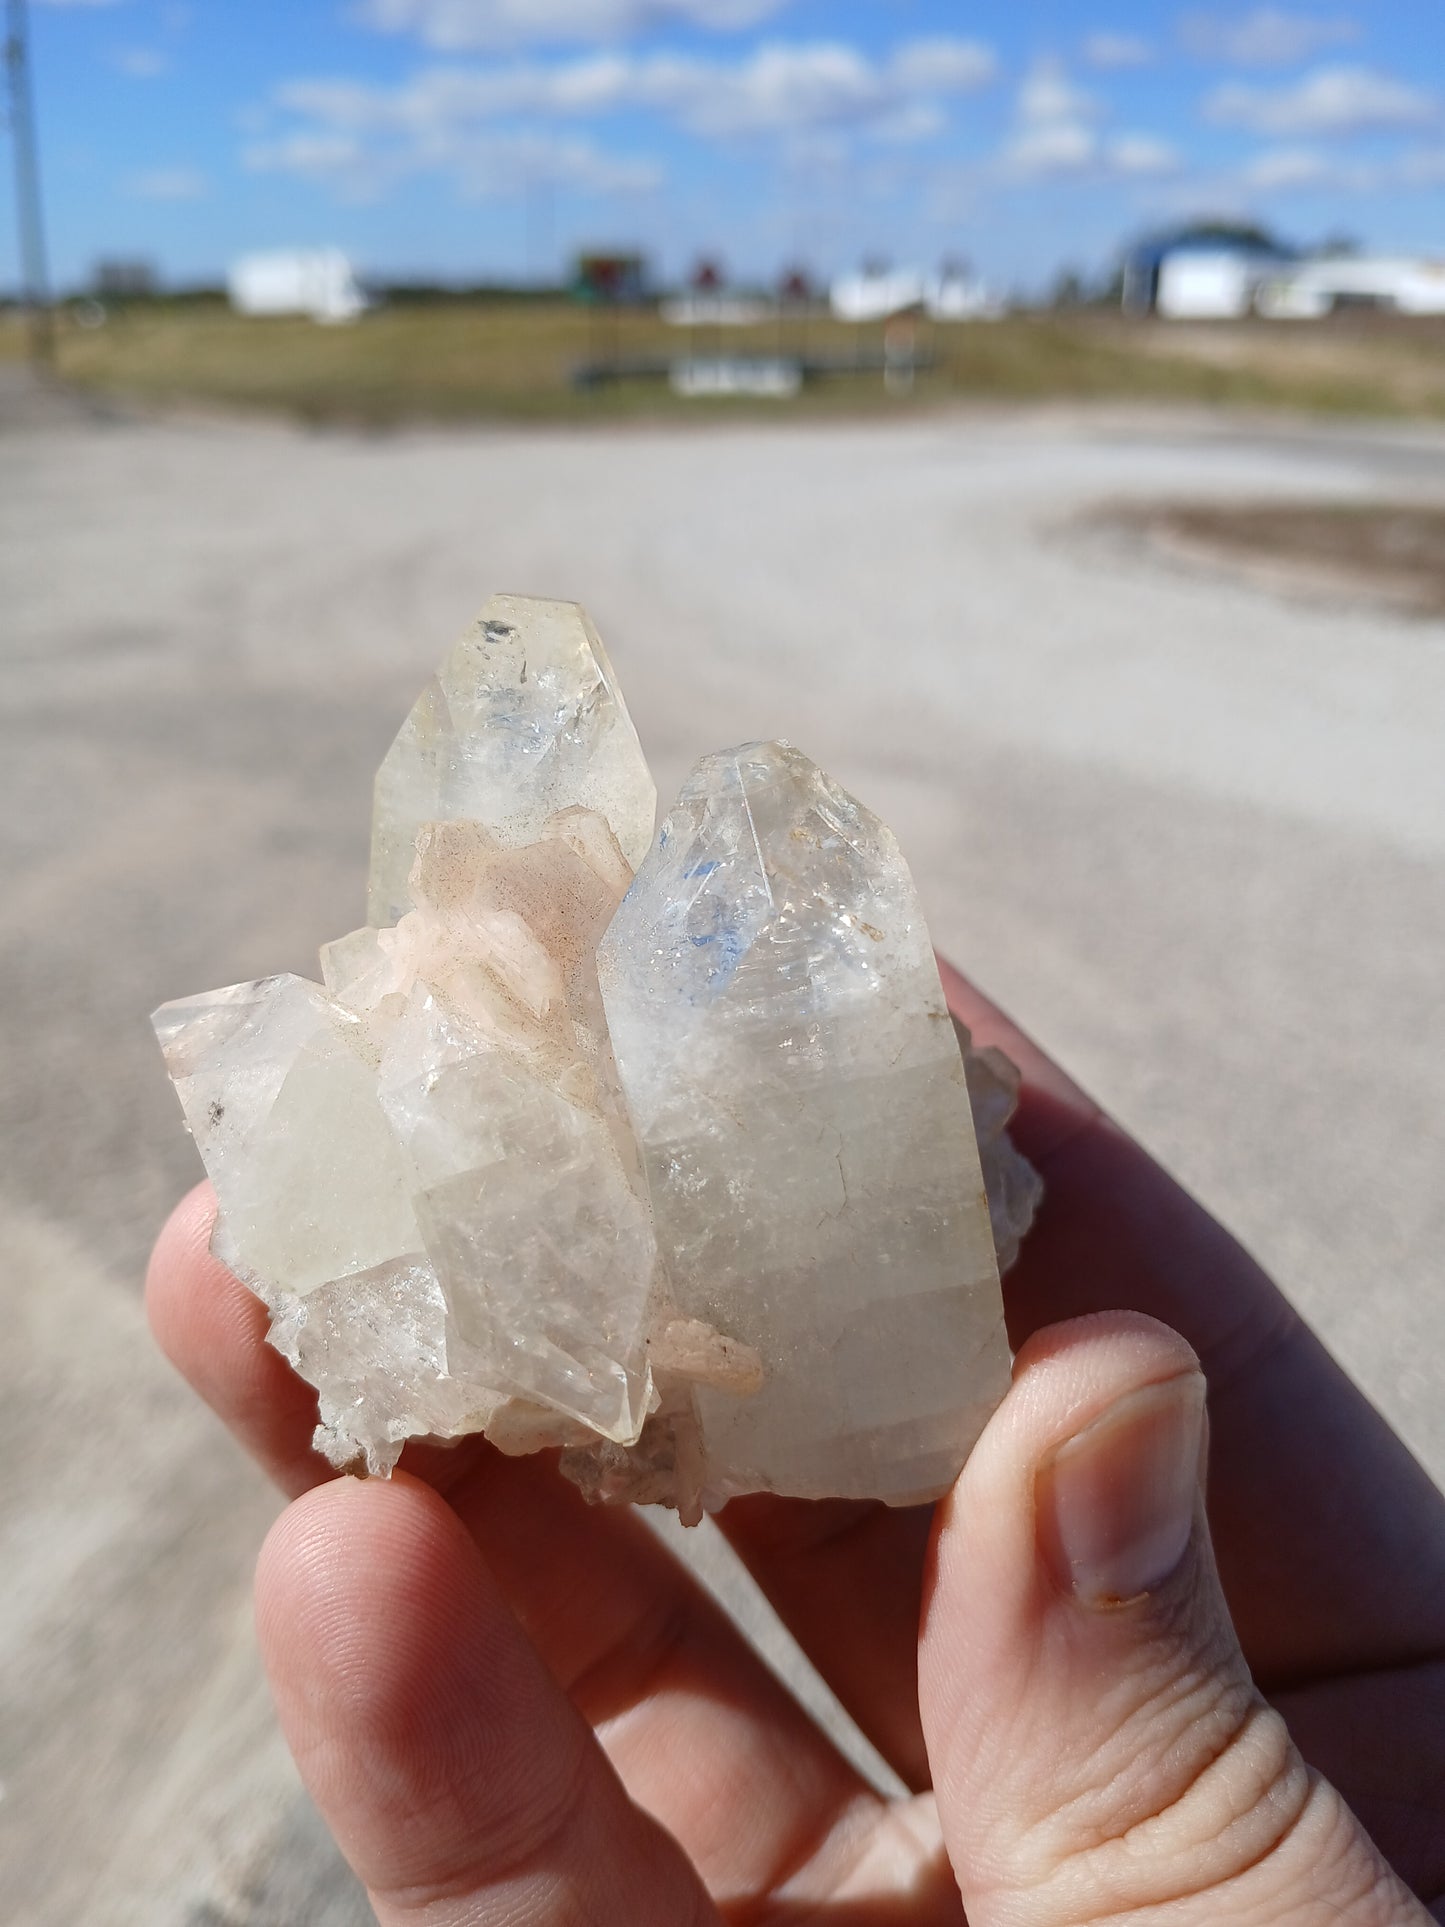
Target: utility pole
[27, 186]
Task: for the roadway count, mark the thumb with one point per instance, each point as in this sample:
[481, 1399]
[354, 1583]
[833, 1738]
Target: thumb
[1099, 1750]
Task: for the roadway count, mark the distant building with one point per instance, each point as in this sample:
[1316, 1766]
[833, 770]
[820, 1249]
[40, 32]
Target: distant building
[1207, 271]
[957, 294]
[875, 293]
[1310, 289]
[610, 279]
[878, 293]
[120, 280]
[318, 282]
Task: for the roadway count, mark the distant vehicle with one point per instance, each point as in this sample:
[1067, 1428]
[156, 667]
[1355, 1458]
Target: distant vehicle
[1311, 289]
[318, 282]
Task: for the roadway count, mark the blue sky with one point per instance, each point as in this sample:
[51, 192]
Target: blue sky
[491, 137]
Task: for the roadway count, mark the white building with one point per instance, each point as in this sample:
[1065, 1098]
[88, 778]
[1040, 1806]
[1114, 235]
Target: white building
[318, 282]
[1211, 284]
[874, 294]
[1308, 290]
[953, 295]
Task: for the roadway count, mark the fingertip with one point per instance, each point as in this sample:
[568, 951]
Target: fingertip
[426, 1729]
[1065, 1378]
[985, 1570]
[1103, 1350]
[363, 1579]
[213, 1330]
[180, 1252]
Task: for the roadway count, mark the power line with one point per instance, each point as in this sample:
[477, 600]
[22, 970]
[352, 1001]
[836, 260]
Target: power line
[30, 218]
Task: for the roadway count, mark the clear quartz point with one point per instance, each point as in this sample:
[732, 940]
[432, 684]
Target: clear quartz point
[676, 1174]
[524, 718]
[799, 1096]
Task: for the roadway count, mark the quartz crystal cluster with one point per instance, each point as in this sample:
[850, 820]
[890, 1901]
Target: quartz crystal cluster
[684, 1172]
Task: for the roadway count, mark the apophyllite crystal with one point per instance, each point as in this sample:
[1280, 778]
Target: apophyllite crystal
[678, 1174]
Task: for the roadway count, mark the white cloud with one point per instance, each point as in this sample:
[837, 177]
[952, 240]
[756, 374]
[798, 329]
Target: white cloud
[778, 89]
[1113, 52]
[168, 184]
[1056, 134]
[456, 25]
[1330, 101]
[1142, 154]
[1063, 147]
[942, 65]
[1053, 118]
[1267, 37]
[1286, 167]
[141, 63]
[1048, 98]
[1423, 167]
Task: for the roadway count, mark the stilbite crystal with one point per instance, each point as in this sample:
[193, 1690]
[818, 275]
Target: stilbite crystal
[750, 1250]
[799, 1096]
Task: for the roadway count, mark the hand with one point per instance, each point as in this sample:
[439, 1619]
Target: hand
[511, 1708]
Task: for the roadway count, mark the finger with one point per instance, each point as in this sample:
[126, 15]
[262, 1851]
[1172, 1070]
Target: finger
[704, 1734]
[846, 1578]
[1336, 1558]
[1099, 1749]
[213, 1330]
[457, 1779]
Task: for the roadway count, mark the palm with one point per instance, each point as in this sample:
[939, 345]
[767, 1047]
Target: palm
[1330, 1540]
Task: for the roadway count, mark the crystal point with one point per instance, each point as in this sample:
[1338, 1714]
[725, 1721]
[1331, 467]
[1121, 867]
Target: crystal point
[800, 1100]
[524, 718]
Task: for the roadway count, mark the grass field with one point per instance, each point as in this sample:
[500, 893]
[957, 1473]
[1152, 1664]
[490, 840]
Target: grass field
[479, 360]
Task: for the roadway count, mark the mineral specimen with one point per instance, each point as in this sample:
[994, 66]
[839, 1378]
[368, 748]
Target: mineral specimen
[678, 1174]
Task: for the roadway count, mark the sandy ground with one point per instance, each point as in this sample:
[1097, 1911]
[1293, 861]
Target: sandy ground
[1191, 831]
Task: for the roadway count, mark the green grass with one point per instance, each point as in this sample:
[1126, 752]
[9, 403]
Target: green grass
[501, 360]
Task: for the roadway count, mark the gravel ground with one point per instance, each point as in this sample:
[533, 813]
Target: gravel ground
[1189, 830]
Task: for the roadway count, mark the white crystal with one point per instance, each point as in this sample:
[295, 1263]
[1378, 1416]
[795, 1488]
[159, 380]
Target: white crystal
[433, 1173]
[278, 1084]
[523, 719]
[797, 1089]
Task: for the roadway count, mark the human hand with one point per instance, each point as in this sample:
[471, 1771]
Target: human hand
[512, 1708]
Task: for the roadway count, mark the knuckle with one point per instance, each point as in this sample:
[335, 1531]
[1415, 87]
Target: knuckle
[1216, 1817]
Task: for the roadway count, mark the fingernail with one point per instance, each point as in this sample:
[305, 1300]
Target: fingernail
[1116, 1501]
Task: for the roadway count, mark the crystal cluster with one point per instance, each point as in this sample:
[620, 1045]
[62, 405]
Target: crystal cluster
[678, 1173]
